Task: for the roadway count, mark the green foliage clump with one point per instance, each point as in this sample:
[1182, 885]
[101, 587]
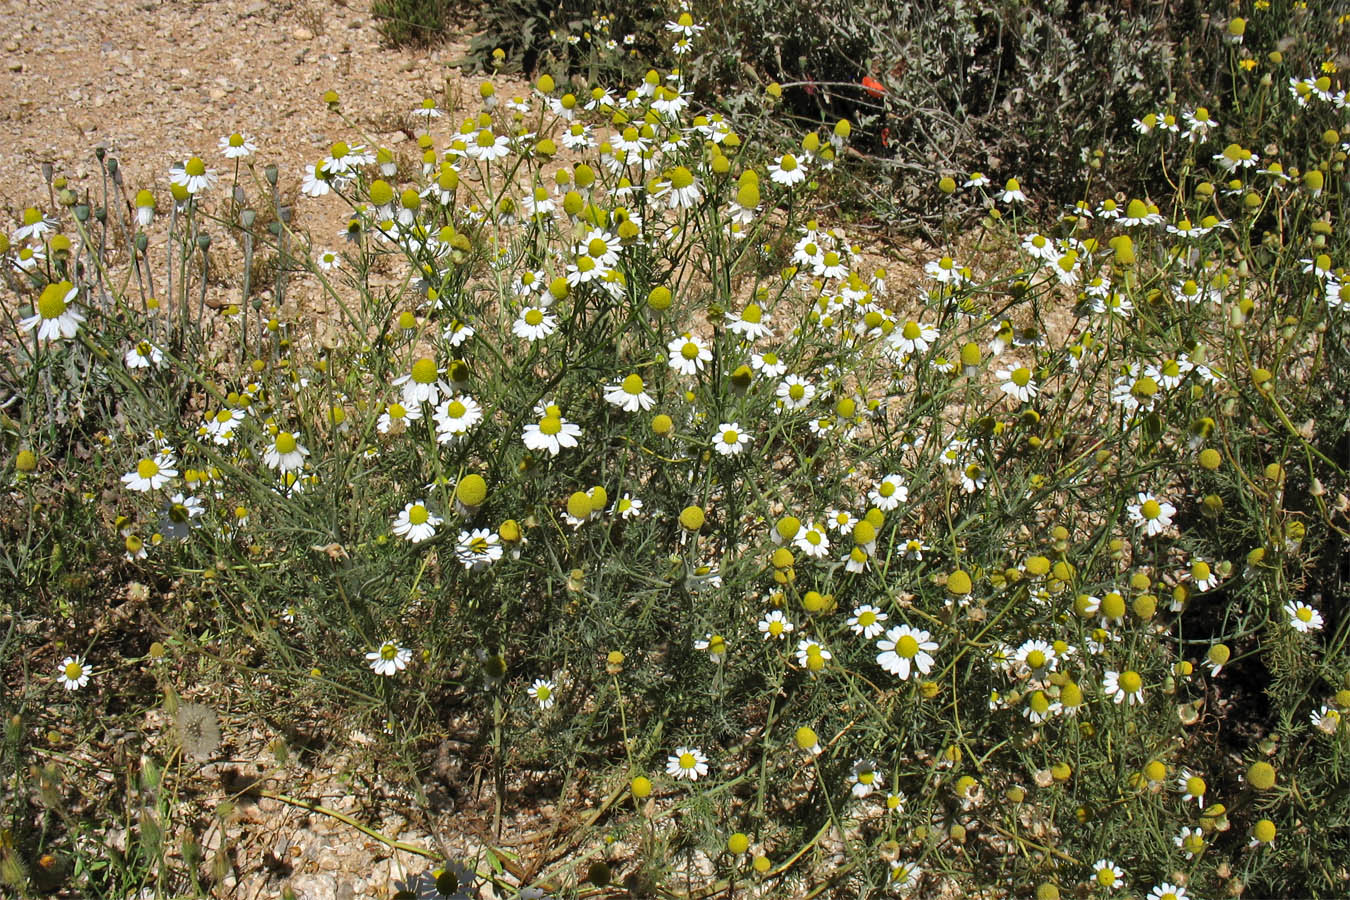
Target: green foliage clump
[414, 23]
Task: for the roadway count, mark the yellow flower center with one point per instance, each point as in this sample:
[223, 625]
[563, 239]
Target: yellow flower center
[236, 140]
[550, 425]
[788, 163]
[867, 618]
[687, 761]
[424, 371]
[52, 302]
[485, 138]
[456, 409]
[1036, 659]
[1021, 376]
[285, 442]
[689, 350]
[1106, 877]
[1150, 509]
[1195, 786]
[73, 671]
[147, 468]
[418, 514]
[396, 410]
[1130, 683]
[907, 647]
[533, 316]
[388, 652]
[195, 166]
[1304, 614]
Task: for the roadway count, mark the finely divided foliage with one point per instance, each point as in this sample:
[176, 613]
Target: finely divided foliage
[1022, 573]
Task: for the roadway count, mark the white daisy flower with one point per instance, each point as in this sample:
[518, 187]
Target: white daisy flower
[74, 673]
[237, 145]
[143, 355]
[775, 625]
[542, 692]
[813, 540]
[1302, 617]
[552, 432]
[630, 395]
[865, 778]
[1108, 875]
[53, 316]
[812, 654]
[1151, 514]
[787, 171]
[688, 354]
[730, 439]
[193, 176]
[390, 659]
[478, 548]
[795, 392]
[416, 523]
[688, 763]
[286, 453]
[768, 364]
[1017, 383]
[534, 324]
[752, 324]
[889, 493]
[152, 473]
[867, 620]
[903, 647]
[1123, 686]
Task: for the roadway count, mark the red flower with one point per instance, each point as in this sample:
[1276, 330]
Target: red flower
[874, 87]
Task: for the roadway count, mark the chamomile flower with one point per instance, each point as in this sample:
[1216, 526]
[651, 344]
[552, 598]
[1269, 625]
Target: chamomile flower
[478, 548]
[152, 473]
[396, 417]
[1151, 514]
[1302, 617]
[812, 654]
[977, 180]
[1190, 841]
[193, 176]
[35, 227]
[542, 692]
[389, 659]
[237, 145]
[867, 621]
[328, 260]
[1123, 686]
[1108, 875]
[630, 395]
[889, 493]
[752, 324]
[53, 316]
[768, 364]
[534, 324]
[729, 439]
[775, 625]
[714, 645]
[416, 523]
[422, 384]
[1012, 192]
[1192, 787]
[552, 432]
[1325, 719]
[683, 190]
[787, 171]
[1168, 891]
[74, 673]
[914, 337]
[905, 876]
[143, 355]
[813, 540]
[285, 453]
[688, 354]
[1017, 383]
[628, 506]
[864, 778]
[687, 763]
[795, 392]
[905, 649]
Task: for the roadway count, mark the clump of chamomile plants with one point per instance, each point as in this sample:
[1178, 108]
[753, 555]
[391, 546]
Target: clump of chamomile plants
[780, 568]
